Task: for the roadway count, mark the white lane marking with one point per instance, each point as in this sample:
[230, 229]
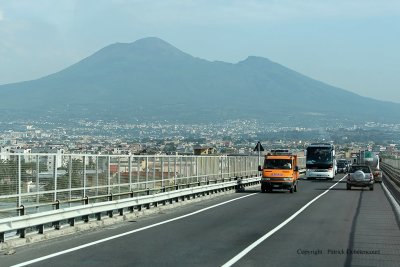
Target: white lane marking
[127, 233]
[263, 238]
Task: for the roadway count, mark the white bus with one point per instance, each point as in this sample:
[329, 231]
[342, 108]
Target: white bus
[320, 161]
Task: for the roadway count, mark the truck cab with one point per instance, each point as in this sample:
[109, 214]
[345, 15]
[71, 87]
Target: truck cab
[280, 171]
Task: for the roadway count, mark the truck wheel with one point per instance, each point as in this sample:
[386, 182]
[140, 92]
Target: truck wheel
[264, 188]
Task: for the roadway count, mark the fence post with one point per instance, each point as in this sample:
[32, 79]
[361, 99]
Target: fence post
[70, 178]
[109, 174]
[37, 181]
[119, 175]
[84, 175]
[19, 181]
[147, 171]
[55, 177]
[130, 172]
[162, 171]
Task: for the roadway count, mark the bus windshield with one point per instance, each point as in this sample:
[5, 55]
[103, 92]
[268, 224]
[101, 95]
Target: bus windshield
[319, 155]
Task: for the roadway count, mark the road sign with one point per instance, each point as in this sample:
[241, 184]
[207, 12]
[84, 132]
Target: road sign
[259, 147]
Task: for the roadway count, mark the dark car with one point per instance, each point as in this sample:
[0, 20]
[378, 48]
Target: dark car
[341, 167]
[360, 176]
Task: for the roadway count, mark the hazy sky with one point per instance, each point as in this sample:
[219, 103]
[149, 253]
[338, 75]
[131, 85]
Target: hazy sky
[350, 44]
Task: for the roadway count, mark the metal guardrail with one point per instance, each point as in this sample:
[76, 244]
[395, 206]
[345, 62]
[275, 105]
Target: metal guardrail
[39, 183]
[70, 214]
[392, 171]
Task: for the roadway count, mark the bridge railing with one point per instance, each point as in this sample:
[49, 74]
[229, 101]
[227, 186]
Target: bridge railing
[39, 191]
[391, 167]
[32, 183]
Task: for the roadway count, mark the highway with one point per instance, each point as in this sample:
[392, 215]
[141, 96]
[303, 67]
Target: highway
[323, 224]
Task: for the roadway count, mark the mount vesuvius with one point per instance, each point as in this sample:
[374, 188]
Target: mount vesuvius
[152, 80]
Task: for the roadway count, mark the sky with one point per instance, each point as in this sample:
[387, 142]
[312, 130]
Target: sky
[350, 44]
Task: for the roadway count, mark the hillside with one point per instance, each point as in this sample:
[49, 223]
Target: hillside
[152, 80]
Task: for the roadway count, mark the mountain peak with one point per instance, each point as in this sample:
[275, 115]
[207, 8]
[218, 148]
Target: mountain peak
[256, 60]
[155, 46]
[152, 41]
[148, 49]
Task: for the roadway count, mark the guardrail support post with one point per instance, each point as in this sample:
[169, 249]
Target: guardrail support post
[21, 210]
[56, 225]
[121, 212]
[57, 204]
[22, 232]
[110, 213]
[85, 218]
[71, 222]
[1, 237]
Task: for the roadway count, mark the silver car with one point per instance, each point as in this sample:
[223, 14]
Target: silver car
[360, 176]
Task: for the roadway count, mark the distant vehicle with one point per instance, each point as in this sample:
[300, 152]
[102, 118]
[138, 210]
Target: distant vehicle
[349, 163]
[320, 161]
[280, 171]
[342, 166]
[372, 160]
[360, 176]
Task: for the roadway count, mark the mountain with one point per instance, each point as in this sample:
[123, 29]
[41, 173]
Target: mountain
[152, 80]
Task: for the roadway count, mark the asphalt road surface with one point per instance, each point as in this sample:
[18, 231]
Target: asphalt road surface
[322, 224]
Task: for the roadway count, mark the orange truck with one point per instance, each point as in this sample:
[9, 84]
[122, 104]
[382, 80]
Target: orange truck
[280, 171]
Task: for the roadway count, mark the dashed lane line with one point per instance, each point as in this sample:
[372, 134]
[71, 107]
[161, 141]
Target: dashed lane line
[276, 229]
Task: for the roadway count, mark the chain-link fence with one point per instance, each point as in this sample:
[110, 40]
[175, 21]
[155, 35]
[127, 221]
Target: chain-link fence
[38, 181]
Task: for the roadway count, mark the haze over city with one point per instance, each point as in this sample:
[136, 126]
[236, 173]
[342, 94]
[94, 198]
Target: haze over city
[349, 44]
